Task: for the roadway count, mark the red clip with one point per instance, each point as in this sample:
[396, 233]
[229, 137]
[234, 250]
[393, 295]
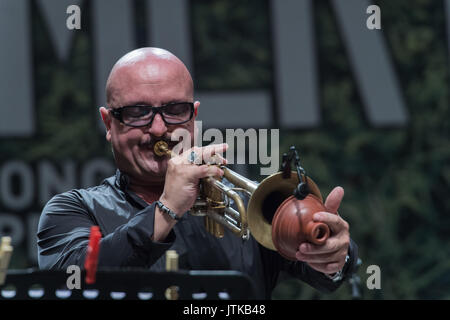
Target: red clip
[90, 264]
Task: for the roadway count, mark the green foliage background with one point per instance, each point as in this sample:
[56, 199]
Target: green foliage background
[396, 179]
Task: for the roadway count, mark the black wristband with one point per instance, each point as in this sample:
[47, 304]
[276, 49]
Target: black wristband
[163, 208]
[338, 276]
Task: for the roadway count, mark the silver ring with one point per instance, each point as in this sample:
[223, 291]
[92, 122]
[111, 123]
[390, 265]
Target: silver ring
[192, 157]
[214, 159]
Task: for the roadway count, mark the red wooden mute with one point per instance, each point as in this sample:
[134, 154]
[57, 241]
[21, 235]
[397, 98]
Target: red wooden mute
[293, 224]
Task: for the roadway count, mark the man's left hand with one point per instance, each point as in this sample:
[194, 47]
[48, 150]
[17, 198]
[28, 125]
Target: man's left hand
[328, 258]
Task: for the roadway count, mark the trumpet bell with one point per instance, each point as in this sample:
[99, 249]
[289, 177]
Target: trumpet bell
[266, 200]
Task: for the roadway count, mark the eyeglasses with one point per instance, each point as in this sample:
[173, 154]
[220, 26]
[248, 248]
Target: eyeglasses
[142, 115]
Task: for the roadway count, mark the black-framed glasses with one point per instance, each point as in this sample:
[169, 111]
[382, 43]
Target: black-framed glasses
[143, 115]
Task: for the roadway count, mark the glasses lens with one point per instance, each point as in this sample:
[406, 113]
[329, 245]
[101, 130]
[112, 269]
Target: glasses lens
[177, 112]
[136, 115]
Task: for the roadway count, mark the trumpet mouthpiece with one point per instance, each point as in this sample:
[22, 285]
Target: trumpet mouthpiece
[161, 148]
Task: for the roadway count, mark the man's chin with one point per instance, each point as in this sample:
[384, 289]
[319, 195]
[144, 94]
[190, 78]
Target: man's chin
[151, 163]
[148, 177]
[149, 171]
[155, 167]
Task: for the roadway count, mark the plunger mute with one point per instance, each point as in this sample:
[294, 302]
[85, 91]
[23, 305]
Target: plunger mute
[293, 224]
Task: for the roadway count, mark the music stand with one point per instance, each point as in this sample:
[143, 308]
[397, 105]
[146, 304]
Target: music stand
[128, 284]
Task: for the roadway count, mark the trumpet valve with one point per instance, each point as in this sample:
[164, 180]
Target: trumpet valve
[214, 228]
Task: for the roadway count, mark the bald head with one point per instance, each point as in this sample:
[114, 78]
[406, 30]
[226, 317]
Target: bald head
[149, 66]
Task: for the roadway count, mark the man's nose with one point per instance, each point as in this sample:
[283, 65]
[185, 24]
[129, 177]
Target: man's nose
[158, 127]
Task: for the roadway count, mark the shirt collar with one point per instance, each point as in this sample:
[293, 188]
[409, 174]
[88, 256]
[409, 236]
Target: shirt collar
[122, 181]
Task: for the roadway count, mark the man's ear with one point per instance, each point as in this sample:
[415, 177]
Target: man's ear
[106, 117]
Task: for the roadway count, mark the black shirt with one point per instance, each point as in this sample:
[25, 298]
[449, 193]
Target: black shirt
[127, 222]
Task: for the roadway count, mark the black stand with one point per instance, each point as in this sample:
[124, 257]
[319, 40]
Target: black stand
[128, 285]
[302, 190]
[355, 282]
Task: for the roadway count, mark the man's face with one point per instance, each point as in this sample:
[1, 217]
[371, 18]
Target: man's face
[145, 84]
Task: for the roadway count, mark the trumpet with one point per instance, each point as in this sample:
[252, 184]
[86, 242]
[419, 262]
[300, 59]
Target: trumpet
[265, 201]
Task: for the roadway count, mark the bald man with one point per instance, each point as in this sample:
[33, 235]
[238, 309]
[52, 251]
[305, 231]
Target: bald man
[141, 210]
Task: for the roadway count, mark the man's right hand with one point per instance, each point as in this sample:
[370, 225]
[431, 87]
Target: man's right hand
[181, 185]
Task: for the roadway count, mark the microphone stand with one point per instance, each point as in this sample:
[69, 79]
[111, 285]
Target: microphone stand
[302, 190]
[355, 282]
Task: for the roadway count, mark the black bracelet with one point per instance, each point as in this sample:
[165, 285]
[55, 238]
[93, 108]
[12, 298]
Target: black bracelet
[163, 208]
[338, 276]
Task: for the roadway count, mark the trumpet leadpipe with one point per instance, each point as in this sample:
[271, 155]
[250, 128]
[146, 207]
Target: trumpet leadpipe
[239, 180]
